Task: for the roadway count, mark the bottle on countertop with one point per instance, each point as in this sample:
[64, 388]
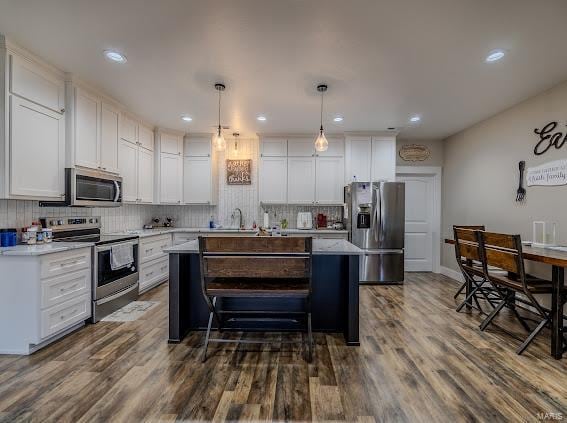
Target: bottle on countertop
[212, 223]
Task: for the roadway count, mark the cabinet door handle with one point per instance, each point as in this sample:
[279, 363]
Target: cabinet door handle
[62, 110]
[67, 288]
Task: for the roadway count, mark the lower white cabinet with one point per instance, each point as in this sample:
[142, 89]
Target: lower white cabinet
[37, 151]
[154, 263]
[136, 166]
[170, 178]
[45, 297]
[183, 237]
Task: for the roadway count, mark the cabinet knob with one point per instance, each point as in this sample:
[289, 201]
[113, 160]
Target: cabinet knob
[62, 110]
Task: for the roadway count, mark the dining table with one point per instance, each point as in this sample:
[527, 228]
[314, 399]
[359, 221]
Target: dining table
[557, 259]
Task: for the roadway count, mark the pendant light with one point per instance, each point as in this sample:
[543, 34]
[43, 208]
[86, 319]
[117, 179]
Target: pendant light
[321, 143]
[219, 141]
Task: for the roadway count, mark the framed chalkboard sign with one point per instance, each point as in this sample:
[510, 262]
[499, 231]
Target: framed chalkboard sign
[238, 172]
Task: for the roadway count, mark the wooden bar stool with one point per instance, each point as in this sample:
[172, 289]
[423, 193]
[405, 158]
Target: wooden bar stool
[255, 268]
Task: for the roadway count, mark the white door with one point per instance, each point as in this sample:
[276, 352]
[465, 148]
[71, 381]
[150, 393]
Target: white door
[170, 178]
[145, 175]
[37, 146]
[86, 129]
[109, 138]
[330, 180]
[128, 165]
[419, 222]
[273, 180]
[301, 180]
[197, 180]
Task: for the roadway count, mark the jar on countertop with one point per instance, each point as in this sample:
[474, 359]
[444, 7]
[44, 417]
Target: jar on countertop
[8, 237]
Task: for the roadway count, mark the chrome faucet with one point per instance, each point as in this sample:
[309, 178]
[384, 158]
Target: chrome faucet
[241, 225]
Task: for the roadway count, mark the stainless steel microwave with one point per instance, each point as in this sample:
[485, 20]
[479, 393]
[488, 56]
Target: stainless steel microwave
[89, 188]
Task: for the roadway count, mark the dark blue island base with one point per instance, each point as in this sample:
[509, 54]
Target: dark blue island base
[334, 299]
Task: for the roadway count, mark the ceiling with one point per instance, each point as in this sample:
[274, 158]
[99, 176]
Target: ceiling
[384, 61]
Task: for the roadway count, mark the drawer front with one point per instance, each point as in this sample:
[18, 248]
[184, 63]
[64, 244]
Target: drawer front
[152, 248]
[64, 315]
[182, 238]
[62, 288]
[65, 262]
[153, 272]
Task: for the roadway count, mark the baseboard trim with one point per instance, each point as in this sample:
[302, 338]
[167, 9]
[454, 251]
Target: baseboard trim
[453, 274]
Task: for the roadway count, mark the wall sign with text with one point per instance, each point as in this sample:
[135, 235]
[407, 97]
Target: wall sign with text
[549, 137]
[548, 174]
[238, 172]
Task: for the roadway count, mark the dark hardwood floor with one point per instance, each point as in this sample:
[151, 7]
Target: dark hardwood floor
[419, 360]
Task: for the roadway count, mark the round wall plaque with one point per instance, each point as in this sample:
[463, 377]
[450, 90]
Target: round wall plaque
[414, 153]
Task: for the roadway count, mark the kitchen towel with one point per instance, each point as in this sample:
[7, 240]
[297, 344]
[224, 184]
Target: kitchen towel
[121, 255]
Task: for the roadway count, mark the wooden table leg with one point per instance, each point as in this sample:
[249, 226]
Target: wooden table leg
[557, 312]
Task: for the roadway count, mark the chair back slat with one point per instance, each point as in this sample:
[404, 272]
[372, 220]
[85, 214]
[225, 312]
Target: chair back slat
[503, 251]
[465, 234]
[469, 251]
[466, 244]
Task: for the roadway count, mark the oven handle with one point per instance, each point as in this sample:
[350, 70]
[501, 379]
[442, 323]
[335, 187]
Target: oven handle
[108, 247]
[117, 295]
[117, 196]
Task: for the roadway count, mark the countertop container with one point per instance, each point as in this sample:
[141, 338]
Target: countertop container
[8, 237]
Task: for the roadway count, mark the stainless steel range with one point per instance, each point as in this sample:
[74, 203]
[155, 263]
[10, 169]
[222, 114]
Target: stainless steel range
[112, 287]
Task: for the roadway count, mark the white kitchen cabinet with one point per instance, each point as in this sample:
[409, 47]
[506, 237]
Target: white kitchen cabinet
[301, 180]
[109, 137]
[145, 176]
[171, 144]
[336, 148]
[329, 180]
[37, 150]
[383, 159]
[358, 159]
[128, 165]
[128, 128]
[154, 263]
[301, 147]
[171, 178]
[87, 118]
[197, 146]
[136, 166]
[197, 180]
[146, 137]
[38, 85]
[273, 147]
[273, 180]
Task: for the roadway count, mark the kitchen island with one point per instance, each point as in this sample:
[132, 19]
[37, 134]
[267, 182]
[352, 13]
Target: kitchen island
[334, 296]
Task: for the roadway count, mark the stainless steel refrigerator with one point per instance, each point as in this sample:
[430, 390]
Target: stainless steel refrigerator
[374, 215]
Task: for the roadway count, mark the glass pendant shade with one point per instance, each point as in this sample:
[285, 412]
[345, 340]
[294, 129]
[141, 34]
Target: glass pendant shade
[321, 143]
[219, 142]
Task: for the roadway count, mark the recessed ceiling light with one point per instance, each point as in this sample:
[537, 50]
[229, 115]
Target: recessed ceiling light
[338, 119]
[495, 55]
[415, 119]
[186, 118]
[261, 118]
[115, 56]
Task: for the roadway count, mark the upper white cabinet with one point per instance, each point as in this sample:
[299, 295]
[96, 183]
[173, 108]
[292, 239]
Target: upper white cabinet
[200, 173]
[32, 148]
[146, 137]
[302, 147]
[303, 175]
[34, 128]
[92, 140]
[109, 118]
[128, 128]
[383, 159]
[301, 180]
[136, 164]
[370, 158]
[329, 180]
[273, 147]
[169, 166]
[273, 180]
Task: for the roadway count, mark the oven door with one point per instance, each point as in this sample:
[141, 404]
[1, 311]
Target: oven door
[94, 188]
[107, 281]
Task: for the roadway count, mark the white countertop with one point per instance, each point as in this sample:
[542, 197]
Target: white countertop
[331, 247]
[41, 249]
[158, 231]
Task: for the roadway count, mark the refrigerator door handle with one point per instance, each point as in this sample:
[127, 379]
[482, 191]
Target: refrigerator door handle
[377, 224]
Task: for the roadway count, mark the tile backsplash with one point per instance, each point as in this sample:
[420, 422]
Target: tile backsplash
[20, 213]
